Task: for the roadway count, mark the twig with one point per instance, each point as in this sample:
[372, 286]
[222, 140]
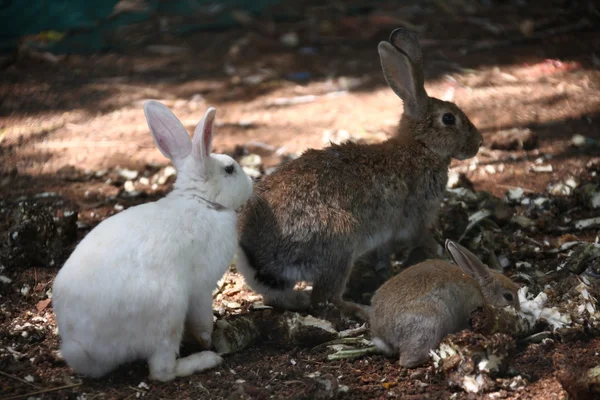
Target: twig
[354, 332]
[353, 353]
[136, 389]
[533, 241]
[346, 340]
[19, 379]
[271, 380]
[43, 391]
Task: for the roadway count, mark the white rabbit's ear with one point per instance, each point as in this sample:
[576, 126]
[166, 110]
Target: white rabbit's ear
[468, 262]
[168, 132]
[203, 135]
[401, 61]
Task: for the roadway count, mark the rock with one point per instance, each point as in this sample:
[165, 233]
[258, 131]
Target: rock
[234, 335]
[472, 361]
[515, 194]
[307, 331]
[514, 139]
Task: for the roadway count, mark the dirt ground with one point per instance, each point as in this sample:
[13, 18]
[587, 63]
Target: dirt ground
[75, 149]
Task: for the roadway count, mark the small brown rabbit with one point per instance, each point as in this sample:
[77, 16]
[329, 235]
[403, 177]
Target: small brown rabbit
[313, 217]
[412, 312]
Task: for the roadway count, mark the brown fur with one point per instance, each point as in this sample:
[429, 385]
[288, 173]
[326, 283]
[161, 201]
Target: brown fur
[414, 310]
[313, 217]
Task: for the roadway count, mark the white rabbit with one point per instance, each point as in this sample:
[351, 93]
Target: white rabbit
[136, 279]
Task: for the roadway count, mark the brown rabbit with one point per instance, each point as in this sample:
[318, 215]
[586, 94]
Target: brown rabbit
[412, 312]
[313, 217]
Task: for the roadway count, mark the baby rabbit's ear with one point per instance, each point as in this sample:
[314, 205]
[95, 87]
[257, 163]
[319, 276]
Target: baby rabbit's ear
[469, 262]
[168, 132]
[402, 64]
[202, 142]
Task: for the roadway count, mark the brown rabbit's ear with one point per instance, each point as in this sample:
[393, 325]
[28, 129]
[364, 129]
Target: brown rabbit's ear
[402, 64]
[468, 262]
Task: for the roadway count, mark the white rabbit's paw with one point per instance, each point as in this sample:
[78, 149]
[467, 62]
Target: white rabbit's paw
[162, 375]
[197, 362]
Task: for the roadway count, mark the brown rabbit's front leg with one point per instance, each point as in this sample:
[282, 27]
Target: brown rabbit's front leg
[330, 286]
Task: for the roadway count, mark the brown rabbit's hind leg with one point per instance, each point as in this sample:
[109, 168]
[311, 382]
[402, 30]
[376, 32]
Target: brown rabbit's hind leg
[424, 333]
[330, 286]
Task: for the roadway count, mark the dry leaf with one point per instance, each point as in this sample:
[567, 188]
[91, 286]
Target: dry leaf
[42, 304]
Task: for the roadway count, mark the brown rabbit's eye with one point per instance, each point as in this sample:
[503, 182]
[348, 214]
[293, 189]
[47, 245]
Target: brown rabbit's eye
[448, 119]
[508, 296]
[229, 169]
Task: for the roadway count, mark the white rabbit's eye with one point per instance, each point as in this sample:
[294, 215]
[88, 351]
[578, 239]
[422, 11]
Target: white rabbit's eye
[508, 296]
[229, 169]
[448, 119]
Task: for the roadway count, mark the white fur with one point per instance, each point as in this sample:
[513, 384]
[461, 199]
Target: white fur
[134, 281]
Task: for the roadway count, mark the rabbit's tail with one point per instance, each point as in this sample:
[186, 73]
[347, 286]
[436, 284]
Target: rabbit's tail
[78, 358]
[276, 291]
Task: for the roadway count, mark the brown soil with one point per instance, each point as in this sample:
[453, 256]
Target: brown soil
[62, 122]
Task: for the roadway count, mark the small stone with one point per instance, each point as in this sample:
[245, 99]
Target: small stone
[25, 290]
[290, 39]
[542, 168]
[144, 181]
[581, 141]
[522, 264]
[515, 194]
[128, 174]
[129, 186]
[541, 201]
